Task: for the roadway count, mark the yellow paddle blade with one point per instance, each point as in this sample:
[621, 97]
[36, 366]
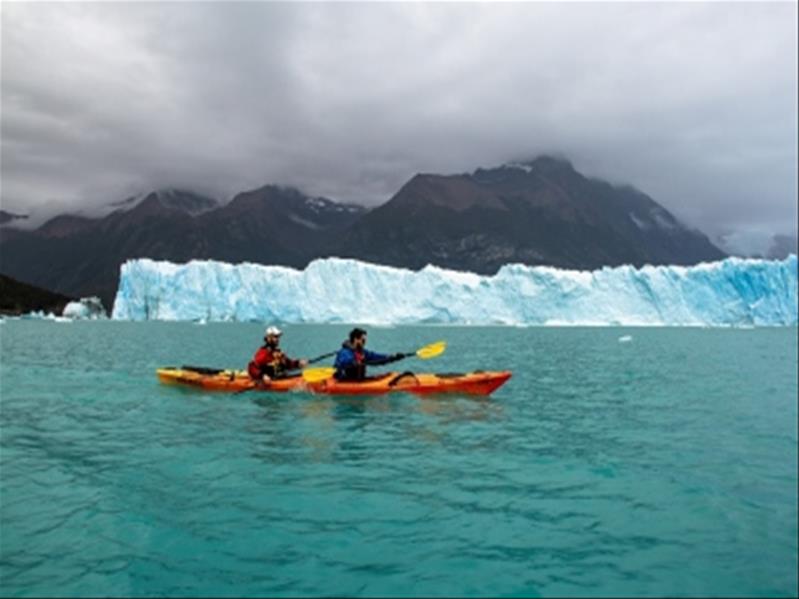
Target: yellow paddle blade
[432, 350]
[316, 375]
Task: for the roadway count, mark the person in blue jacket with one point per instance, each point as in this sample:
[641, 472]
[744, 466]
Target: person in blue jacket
[353, 358]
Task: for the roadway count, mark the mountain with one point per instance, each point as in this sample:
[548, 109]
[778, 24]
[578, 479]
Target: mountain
[275, 225]
[537, 212]
[80, 256]
[19, 298]
[176, 199]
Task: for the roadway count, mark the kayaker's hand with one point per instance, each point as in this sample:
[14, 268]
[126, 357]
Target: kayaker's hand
[398, 356]
[266, 380]
[303, 363]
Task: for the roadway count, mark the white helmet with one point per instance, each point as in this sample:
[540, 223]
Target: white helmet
[273, 331]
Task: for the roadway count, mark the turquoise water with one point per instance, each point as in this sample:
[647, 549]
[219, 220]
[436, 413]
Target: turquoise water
[666, 465]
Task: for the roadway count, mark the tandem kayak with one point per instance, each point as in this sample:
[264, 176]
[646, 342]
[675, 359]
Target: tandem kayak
[210, 379]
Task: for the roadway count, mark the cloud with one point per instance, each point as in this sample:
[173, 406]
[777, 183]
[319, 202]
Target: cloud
[696, 104]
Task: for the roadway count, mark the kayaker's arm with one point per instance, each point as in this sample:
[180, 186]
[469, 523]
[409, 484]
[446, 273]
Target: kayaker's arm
[292, 364]
[376, 359]
[348, 367]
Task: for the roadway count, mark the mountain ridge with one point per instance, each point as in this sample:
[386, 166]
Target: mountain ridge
[80, 256]
[534, 212]
[538, 212]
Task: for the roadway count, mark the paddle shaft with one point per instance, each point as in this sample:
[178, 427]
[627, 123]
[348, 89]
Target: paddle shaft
[333, 353]
[322, 357]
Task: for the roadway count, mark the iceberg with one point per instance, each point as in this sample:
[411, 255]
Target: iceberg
[731, 292]
[87, 308]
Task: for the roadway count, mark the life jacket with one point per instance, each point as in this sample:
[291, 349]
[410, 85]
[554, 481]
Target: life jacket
[269, 360]
[354, 372]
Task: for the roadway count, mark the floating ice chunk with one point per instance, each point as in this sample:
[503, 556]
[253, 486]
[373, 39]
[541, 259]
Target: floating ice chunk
[42, 315]
[88, 308]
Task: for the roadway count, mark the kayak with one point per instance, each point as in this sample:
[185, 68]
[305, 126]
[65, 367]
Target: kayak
[211, 379]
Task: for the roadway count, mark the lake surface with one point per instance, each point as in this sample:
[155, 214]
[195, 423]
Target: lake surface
[665, 464]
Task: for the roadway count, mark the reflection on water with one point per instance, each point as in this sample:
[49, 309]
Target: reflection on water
[328, 426]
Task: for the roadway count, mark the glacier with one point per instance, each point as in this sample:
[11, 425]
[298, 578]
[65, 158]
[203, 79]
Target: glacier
[731, 292]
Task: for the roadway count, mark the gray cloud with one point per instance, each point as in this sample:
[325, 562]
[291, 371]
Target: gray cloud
[696, 104]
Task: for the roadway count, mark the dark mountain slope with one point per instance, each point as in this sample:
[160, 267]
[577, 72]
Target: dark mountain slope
[19, 298]
[541, 212]
[81, 256]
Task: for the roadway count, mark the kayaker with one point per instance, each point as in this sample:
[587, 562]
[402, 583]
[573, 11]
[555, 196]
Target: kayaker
[269, 361]
[353, 358]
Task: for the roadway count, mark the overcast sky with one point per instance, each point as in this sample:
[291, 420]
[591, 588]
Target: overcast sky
[695, 104]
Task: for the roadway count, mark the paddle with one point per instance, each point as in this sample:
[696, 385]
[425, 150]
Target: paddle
[317, 375]
[322, 357]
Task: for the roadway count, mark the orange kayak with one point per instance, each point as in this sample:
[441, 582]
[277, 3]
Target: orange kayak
[210, 379]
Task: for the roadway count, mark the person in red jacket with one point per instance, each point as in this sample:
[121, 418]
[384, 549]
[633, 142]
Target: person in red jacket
[269, 362]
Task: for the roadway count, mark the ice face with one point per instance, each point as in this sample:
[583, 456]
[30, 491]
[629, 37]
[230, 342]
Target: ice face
[732, 292]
